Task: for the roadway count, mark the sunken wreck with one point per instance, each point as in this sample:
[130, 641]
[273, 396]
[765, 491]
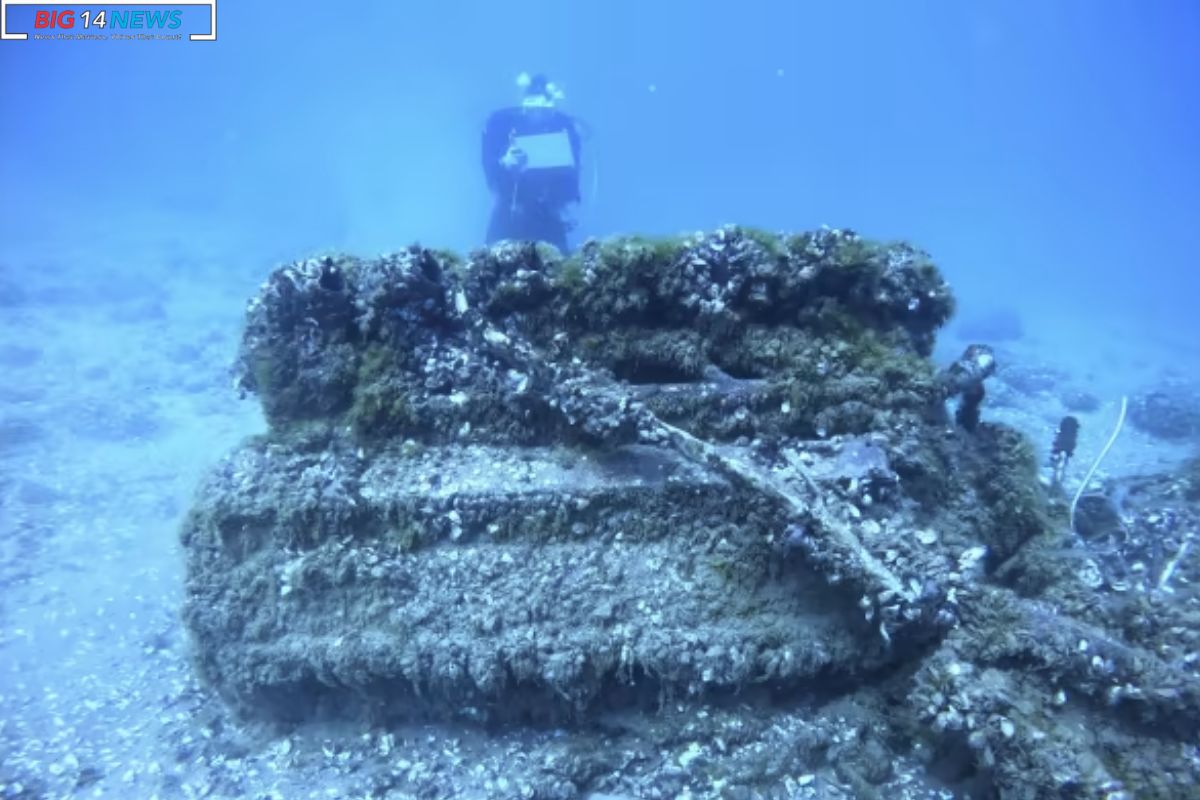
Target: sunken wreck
[699, 481]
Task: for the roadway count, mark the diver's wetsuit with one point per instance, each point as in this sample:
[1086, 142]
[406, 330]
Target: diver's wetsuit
[529, 203]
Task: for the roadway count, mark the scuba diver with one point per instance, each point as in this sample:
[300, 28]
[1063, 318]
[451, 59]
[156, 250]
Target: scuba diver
[531, 161]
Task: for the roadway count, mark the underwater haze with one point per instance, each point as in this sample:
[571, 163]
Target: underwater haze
[169, 210]
[1043, 152]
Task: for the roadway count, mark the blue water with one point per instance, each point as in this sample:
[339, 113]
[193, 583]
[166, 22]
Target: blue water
[1045, 154]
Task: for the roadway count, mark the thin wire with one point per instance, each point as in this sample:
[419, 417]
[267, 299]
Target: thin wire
[1099, 458]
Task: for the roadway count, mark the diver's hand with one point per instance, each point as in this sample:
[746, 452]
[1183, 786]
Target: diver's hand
[515, 158]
